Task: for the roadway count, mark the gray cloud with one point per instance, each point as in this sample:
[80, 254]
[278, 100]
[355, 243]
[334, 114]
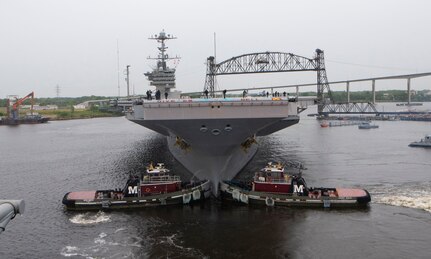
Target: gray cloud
[74, 43]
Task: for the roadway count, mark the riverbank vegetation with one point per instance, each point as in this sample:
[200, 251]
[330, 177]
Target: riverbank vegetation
[381, 96]
[69, 113]
[61, 102]
[65, 105]
[65, 108]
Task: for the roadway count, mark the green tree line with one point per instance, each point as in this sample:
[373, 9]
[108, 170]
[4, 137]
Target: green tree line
[381, 96]
[61, 102]
[339, 96]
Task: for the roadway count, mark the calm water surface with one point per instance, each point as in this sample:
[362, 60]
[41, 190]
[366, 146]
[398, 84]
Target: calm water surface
[40, 163]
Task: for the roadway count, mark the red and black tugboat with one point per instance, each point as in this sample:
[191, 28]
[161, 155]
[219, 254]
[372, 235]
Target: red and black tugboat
[274, 187]
[153, 188]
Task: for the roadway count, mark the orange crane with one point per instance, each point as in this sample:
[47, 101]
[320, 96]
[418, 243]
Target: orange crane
[13, 113]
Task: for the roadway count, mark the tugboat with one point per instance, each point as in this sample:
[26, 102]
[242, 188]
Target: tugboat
[425, 142]
[272, 186]
[155, 187]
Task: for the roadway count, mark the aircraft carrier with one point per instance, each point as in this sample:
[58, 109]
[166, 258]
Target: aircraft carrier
[214, 138]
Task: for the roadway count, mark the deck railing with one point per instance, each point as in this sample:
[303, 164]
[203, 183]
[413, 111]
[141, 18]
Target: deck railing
[159, 179]
[271, 180]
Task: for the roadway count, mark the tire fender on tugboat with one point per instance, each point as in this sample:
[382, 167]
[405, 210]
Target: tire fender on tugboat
[106, 204]
[235, 195]
[186, 198]
[269, 202]
[244, 198]
[196, 195]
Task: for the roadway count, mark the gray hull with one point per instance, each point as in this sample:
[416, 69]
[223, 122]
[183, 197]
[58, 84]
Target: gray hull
[420, 144]
[214, 140]
[205, 164]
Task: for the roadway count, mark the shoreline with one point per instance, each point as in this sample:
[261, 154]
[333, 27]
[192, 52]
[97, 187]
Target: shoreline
[67, 114]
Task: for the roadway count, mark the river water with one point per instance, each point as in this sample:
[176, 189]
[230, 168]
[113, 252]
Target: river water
[40, 163]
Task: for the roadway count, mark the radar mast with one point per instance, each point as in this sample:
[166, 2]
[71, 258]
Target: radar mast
[162, 77]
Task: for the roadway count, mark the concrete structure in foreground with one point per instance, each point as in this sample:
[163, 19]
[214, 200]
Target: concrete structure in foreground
[8, 211]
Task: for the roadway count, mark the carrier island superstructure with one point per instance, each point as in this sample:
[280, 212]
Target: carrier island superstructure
[214, 138]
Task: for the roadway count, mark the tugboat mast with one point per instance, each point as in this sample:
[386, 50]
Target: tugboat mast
[162, 77]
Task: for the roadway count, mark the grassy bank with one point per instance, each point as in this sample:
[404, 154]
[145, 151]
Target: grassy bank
[68, 114]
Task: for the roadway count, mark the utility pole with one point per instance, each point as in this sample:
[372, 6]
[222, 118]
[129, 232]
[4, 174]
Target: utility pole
[57, 91]
[127, 80]
[118, 68]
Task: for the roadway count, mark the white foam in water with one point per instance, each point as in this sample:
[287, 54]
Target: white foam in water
[103, 246]
[99, 240]
[417, 197]
[87, 218]
[120, 229]
[410, 202]
[170, 240]
[69, 251]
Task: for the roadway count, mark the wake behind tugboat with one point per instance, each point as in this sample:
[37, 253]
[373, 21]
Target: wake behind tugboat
[153, 188]
[274, 187]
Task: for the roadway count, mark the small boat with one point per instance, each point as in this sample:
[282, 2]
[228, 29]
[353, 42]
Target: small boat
[155, 187]
[340, 122]
[409, 104]
[272, 186]
[367, 125]
[425, 142]
[28, 119]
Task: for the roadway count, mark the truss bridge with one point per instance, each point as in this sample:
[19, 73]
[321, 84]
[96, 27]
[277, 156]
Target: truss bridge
[270, 62]
[273, 62]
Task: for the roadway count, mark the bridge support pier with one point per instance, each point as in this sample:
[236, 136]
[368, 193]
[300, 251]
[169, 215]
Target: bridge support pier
[348, 91]
[408, 91]
[374, 91]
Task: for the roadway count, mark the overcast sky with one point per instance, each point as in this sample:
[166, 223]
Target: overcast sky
[73, 44]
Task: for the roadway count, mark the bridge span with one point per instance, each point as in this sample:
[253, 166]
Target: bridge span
[328, 106]
[272, 62]
[346, 107]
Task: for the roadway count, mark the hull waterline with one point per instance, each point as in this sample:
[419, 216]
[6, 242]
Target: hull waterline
[347, 198]
[215, 167]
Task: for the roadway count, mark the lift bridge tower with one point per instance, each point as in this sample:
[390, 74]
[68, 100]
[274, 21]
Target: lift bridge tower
[271, 62]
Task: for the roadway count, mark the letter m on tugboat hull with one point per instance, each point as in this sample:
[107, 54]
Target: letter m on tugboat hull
[133, 189]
